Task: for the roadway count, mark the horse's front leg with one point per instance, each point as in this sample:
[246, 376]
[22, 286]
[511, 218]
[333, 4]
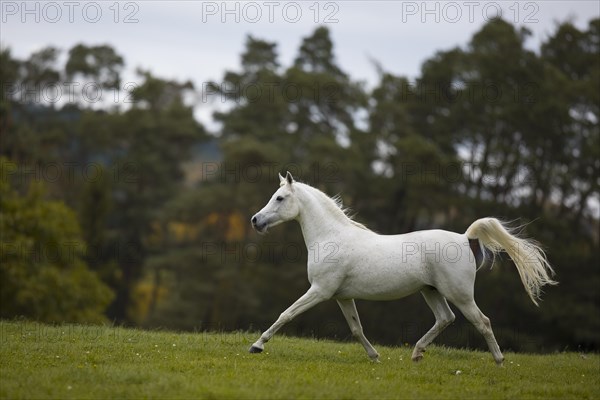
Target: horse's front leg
[311, 298]
[349, 310]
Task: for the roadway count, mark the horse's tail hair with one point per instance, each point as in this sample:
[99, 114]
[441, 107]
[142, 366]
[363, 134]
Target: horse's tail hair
[529, 257]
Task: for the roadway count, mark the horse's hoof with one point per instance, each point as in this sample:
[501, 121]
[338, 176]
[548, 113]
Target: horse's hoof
[417, 358]
[255, 350]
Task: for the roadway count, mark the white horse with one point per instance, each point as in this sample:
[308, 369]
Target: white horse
[347, 261]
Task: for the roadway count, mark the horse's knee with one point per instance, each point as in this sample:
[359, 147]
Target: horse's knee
[357, 332]
[448, 319]
[284, 318]
[445, 320]
[486, 322]
[485, 327]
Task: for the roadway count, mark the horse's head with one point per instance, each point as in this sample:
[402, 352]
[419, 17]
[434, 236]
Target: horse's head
[282, 207]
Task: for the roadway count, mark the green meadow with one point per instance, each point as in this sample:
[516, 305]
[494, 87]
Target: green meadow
[92, 362]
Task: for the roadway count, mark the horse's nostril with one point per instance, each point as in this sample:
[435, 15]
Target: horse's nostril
[254, 220]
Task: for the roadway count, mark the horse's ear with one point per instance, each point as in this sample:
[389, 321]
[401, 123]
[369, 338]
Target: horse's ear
[281, 179]
[289, 178]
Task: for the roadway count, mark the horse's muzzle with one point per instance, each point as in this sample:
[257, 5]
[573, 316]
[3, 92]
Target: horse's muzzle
[259, 226]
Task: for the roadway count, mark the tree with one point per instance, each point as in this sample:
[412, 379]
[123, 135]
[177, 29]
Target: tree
[258, 92]
[42, 271]
[575, 54]
[40, 69]
[9, 76]
[154, 139]
[326, 102]
[101, 63]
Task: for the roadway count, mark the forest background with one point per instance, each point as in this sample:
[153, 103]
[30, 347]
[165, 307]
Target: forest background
[134, 213]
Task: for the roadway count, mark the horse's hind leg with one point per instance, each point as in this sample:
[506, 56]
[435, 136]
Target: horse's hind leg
[349, 310]
[482, 323]
[443, 317]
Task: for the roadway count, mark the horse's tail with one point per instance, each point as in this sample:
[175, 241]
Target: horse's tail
[528, 256]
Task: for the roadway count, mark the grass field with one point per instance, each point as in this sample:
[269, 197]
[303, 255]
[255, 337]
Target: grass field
[71, 361]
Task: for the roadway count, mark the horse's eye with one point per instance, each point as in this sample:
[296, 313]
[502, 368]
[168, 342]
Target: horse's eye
[279, 198]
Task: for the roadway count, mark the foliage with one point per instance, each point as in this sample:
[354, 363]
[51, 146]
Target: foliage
[42, 273]
[99, 63]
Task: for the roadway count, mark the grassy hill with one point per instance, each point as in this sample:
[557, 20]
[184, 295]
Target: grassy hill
[72, 361]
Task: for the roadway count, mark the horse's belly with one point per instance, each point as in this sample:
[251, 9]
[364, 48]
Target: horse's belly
[381, 285]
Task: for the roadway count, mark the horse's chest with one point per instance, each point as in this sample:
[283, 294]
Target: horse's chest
[325, 274]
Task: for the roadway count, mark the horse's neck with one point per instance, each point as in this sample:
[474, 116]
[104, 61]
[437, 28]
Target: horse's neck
[317, 222]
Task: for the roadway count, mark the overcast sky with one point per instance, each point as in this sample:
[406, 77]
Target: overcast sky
[199, 40]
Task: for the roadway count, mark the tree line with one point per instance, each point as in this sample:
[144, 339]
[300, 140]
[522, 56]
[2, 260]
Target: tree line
[135, 213]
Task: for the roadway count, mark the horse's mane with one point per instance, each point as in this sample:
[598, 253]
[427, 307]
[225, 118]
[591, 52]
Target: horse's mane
[333, 204]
